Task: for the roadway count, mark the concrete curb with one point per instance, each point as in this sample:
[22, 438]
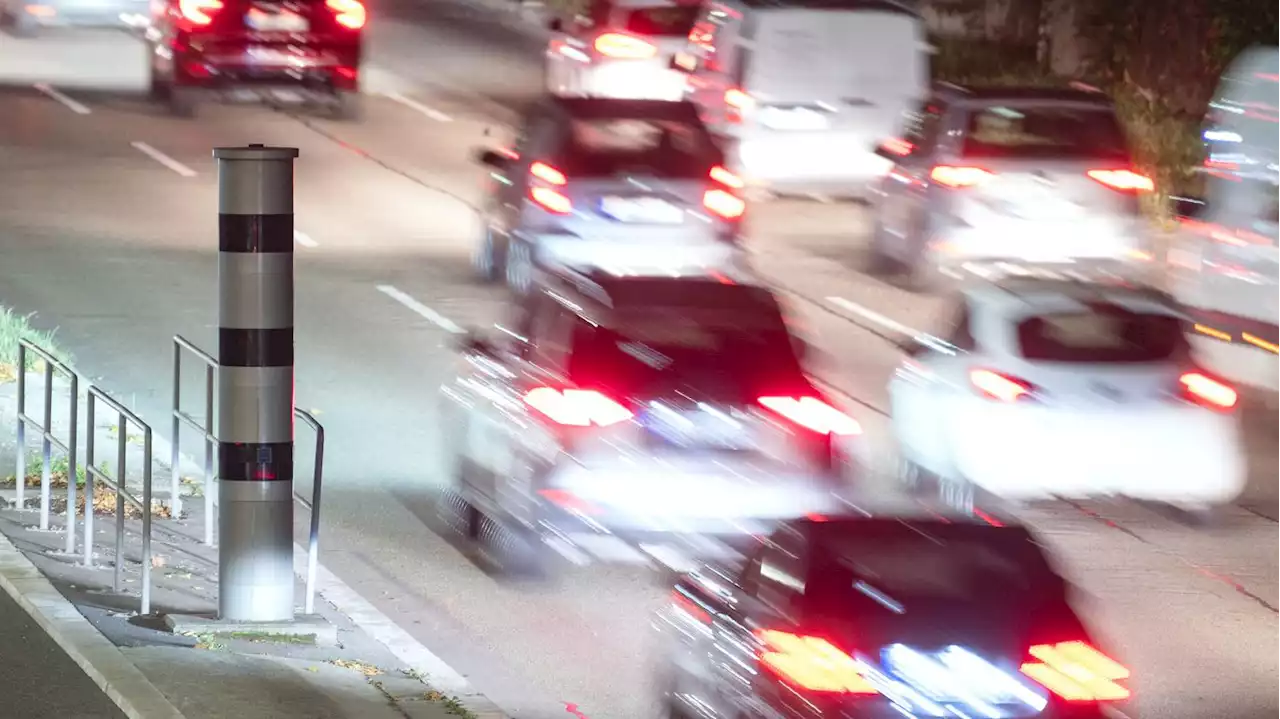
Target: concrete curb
[96, 655]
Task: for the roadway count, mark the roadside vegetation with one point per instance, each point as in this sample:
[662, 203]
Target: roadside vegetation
[15, 327]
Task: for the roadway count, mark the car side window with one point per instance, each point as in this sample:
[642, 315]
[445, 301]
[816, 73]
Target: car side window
[923, 126]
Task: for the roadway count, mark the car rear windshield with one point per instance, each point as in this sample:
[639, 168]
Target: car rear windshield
[612, 146]
[1103, 334]
[728, 355]
[1044, 132]
[921, 567]
[672, 21]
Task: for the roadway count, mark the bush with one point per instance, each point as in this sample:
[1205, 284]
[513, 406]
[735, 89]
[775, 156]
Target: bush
[15, 327]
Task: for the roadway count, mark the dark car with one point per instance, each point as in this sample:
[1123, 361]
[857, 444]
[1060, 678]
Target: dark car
[872, 617]
[624, 419]
[624, 184]
[208, 46]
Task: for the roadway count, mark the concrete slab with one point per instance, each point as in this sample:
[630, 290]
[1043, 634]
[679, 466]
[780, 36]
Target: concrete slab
[313, 627]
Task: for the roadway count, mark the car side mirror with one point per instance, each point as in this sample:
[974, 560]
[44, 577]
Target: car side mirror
[894, 149]
[491, 158]
[555, 24]
[1187, 207]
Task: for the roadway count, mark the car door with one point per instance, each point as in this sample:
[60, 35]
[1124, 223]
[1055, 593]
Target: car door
[902, 209]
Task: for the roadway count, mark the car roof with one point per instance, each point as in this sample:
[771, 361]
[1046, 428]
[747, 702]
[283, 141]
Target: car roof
[985, 95]
[595, 108]
[1022, 297]
[602, 295]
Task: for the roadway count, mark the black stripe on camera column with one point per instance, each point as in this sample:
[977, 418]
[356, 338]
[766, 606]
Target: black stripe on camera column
[255, 382]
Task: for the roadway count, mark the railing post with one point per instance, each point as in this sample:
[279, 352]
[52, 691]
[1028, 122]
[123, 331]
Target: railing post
[209, 485]
[46, 474]
[146, 519]
[20, 479]
[118, 578]
[72, 447]
[175, 482]
[89, 439]
[313, 552]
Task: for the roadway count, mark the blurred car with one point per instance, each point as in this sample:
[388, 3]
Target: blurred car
[1225, 261]
[800, 92]
[628, 419]
[992, 181]
[918, 615]
[1043, 389]
[24, 18]
[624, 184]
[621, 49]
[201, 47]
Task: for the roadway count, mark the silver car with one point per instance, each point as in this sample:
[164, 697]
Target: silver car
[24, 18]
[998, 181]
[634, 186]
[638, 420]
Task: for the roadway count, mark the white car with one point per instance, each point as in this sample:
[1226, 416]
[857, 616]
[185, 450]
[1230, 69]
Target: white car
[1057, 389]
[621, 49]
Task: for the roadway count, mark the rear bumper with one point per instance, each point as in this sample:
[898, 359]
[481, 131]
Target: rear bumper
[644, 252]
[624, 80]
[826, 163]
[308, 67]
[52, 13]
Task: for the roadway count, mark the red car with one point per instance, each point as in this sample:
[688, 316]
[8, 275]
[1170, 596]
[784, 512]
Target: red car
[200, 47]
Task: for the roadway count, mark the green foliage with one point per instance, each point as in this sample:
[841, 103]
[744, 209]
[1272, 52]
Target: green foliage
[15, 327]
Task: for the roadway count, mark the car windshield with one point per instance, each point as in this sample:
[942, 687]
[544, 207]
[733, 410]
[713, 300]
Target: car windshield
[1102, 334]
[669, 21]
[657, 350]
[1044, 132]
[608, 147]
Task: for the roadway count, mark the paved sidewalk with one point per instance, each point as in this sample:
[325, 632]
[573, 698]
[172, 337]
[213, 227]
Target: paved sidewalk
[52, 600]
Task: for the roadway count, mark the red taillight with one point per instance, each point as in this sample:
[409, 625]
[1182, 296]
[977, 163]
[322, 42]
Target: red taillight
[724, 203]
[726, 178]
[348, 13]
[1206, 391]
[548, 198]
[811, 663]
[1077, 672]
[1004, 388]
[736, 103]
[814, 414]
[576, 407]
[959, 176]
[897, 146]
[547, 173]
[1123, 180]
[199, 12]
[624, 47]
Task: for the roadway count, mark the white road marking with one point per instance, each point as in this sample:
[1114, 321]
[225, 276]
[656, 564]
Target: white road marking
[163, 159]
[304, 239]
[431, 315]
[74, 106]
[873, 316]
[412, 104]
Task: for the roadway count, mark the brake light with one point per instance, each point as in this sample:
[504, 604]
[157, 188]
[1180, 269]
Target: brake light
[1123, 180]
[1077, 672]
[547, 173]
[348, 13]
[1206, 391]
[959, 176]
[736, 103]
[1001, 387]
[724, 203]
[726, 178]
[814, 414]
[811, 663]
[898, 146]
[576, 407]
[624, 47]
[550, 200]
[199, 12]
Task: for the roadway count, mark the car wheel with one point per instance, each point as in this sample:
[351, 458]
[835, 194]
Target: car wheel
[348, 106]
[878, 263]
[510, 551]
[519, 267]
[488, 262]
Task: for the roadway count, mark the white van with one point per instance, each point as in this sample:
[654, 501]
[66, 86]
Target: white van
[803, 91]
[1224, 264]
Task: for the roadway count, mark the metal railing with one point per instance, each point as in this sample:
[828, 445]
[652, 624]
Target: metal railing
[180, 418]
[52, 369]
[313, 506]
[123, 420]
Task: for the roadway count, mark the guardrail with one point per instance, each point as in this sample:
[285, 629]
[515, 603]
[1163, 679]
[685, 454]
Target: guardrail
[124, 418]
[313, 548]
[180, 418]
[52, 368]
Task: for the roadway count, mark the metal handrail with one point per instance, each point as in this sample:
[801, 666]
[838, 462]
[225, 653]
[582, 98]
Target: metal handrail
[48, 440]
[313, 549]
[180, 418]
[123, 419]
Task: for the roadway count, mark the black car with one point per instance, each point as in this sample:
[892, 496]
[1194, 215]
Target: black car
[877, 617]
[308, 46]
[639, 420]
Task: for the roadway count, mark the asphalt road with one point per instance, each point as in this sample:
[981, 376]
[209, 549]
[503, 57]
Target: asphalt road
[39, 681]
[117, 249]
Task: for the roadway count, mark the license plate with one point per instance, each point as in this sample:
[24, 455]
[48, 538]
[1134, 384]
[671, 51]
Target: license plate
[798, 118]
[646, 210]
[283, 21]
[695, 430]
